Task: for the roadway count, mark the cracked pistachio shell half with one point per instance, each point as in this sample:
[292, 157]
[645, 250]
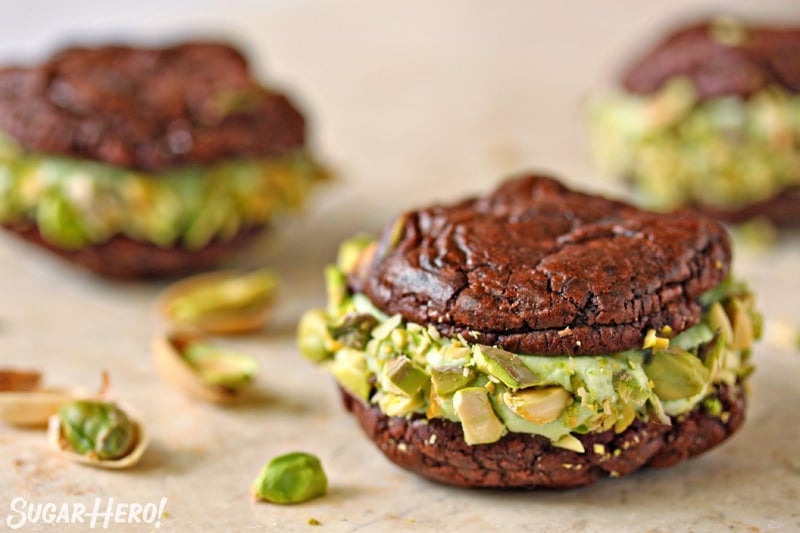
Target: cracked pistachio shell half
[202, 369]
[221, 302]
[24, 402]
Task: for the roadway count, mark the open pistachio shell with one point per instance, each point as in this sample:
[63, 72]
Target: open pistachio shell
[19, 380]
[58, 441]
[220, 378]
[219, 302]
[32, 408]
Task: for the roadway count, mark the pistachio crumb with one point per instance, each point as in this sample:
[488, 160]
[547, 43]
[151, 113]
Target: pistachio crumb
[313, 521]
[402, 446]
[718, 264]
[724, 416]
[567, 466]
[599, 449]
[581, 392]
[490, 386]
[613, 474]
[653, 341]
[728, 31]
[617, 452]
[578, 344]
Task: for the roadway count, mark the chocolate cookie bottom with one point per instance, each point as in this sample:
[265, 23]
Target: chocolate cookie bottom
[125, 258]
[436, 448]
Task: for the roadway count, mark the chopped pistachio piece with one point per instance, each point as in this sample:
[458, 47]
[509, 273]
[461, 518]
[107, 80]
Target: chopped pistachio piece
[478, 420]
[676, 374]
[220, 366]
[98, 429]
[693, 337]
[719, 322]
[727, 289]
[505, 366]
[571, 443]
[313, 338]
[627, 417]
[291, 478]
[355, 331]
[349, 367]
[539, 406]
[336, 285]
[652, 341]
[404, 377]
[350, 252]
[448, 379]
[742, 326]
[399, 404]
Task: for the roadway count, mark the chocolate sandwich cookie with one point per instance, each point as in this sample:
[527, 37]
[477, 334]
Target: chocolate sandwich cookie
[708, 118]
[147, 161]
[537, 337]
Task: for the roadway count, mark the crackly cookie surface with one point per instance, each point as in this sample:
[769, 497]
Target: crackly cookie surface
[537, 268]
[721, 58]
[148, 109]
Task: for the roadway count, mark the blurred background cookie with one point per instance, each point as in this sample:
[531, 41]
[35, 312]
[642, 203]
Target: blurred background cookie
[144, 162]
[710, 117]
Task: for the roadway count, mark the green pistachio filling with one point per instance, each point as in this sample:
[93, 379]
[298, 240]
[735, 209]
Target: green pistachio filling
[411, 370]
[724, 152]
[76, 202]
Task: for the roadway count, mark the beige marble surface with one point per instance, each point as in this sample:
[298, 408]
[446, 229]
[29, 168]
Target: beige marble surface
[412, 102]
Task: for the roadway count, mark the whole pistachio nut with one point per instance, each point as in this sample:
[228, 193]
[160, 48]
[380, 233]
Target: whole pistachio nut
[97, 428]
[220, 302]
[291, 478]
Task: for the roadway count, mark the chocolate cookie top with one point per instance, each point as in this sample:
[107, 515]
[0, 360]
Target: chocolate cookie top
[151, 109]
[721, 58]
[537, 268]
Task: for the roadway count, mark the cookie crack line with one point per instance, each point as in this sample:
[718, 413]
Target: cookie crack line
[126, 107]
[537, 263]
